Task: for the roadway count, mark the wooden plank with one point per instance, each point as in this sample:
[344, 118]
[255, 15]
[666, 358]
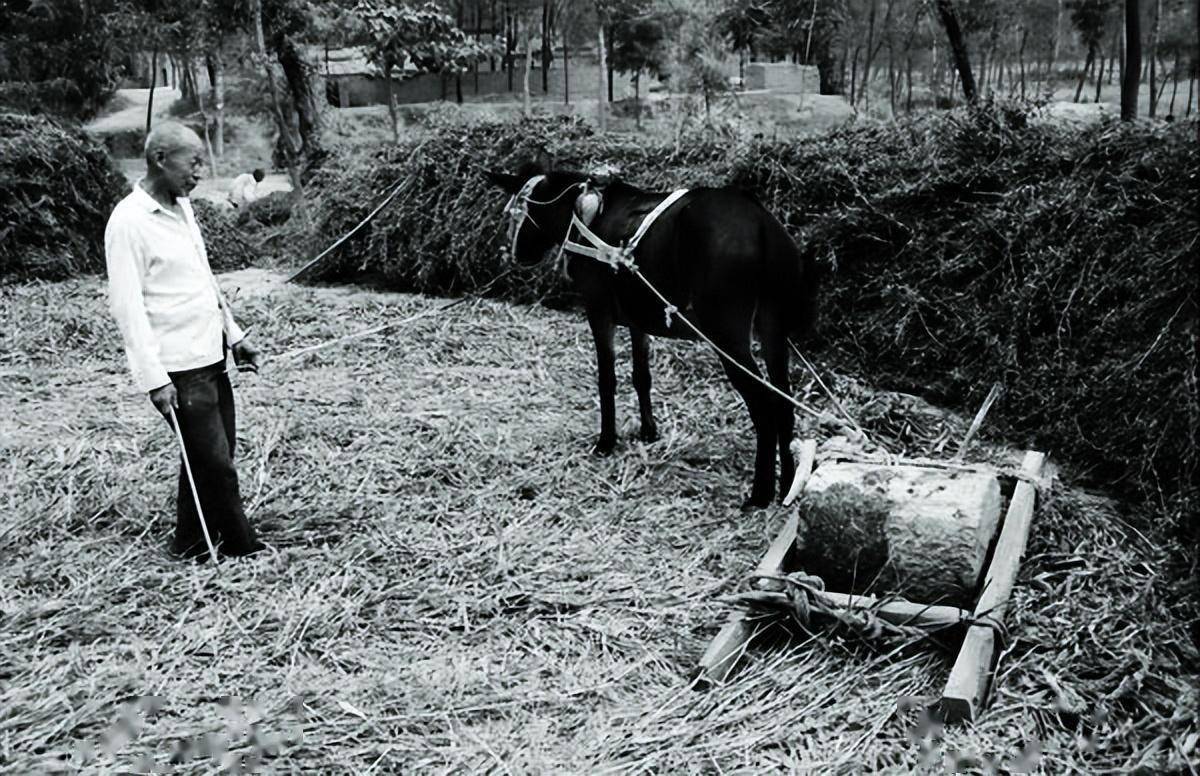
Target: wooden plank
[731, 641]
[724, 651]
[966, 689]
[772, 561]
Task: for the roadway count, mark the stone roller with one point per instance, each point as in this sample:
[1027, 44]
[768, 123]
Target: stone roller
[920, 532]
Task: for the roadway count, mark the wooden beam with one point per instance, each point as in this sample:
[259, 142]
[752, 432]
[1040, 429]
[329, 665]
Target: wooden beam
[731, 641]
[967, 687]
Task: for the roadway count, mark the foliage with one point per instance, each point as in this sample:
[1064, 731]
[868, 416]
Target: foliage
[57, 188]
[59, 96]
[424, 37]
[46, 41]
[963, 249]
[639, 40]
[272, 210]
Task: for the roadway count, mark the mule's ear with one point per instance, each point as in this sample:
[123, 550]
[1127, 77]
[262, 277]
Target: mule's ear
[544, 161]
[509, 183]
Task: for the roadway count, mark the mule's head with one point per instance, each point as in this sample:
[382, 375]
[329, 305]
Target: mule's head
[541, 201]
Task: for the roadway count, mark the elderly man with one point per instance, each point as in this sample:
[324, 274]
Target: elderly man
[177, 325]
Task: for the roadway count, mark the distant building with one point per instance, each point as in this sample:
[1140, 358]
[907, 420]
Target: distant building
[351, 81]
[782, 77]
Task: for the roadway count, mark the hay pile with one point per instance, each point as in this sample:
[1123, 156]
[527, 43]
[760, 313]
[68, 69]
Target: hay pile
[963, 249]
[460, 585]
[229, 246]
[57, 188]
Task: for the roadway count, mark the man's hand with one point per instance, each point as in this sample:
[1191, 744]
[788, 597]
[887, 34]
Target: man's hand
[246, 356]
[164, 399]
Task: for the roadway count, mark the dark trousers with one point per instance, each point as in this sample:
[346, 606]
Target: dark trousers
[206, 420]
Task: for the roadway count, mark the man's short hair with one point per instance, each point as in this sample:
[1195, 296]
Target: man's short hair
[259, 174]
[167, 137]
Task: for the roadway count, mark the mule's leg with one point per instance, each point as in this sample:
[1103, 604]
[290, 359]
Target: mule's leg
[735, 340]
[603, 327]
[775, 353]
[640, 342]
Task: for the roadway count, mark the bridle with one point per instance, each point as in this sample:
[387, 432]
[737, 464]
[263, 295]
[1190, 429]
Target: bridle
[518, 208]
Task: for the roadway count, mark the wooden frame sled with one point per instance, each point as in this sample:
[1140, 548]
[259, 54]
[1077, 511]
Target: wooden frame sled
[966, 690]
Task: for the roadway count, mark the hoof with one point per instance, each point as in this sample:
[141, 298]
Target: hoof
[648, 434]
[604, 447]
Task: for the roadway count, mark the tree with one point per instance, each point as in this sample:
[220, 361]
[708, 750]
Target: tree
[74, 48]
[1132, 74]
[404, 40]
[1091, 18]
[958, 47]
[639, 46]
[291, 154]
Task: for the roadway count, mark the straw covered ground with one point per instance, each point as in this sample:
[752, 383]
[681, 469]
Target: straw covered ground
[457, 584]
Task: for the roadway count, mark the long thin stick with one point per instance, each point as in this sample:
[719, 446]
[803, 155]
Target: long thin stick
[187, 467]
[978, 421]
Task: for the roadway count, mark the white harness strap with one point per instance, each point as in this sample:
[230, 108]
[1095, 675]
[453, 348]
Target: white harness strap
[616, 257]
[612, 255]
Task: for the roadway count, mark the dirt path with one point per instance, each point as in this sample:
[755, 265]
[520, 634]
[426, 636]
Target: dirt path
[133, 113]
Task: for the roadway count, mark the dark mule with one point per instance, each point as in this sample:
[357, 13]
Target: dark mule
[719, 257]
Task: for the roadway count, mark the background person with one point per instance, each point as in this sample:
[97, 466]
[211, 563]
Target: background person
[244, 188]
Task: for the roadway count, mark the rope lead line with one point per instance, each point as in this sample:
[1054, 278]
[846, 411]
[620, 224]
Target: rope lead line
[758, 378]
[347, 235]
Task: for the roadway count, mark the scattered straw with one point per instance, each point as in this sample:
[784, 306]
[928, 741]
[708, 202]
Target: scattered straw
[457, 584]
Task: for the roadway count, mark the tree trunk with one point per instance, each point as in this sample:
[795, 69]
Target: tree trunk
[216, 65]
[602, 71]
[1099, 76]
[609, 75]
[284, 135]
[509, 43]
[958, 47]
[547, 51]
[212, 157]
[393, 114]
[1133, 61]
[908, 102]
[153, 83]
[1087, 68]
[866, 86]
[308, 115]
[1021, 58]
[831, 69]
[1153, 55]
[637, 100]
[566, 71]
[526, 102]
[1054, 43]
[1174, 86]
[854, 76]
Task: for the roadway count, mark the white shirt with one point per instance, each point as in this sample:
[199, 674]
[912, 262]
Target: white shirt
[170, 310]
[243, 189]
